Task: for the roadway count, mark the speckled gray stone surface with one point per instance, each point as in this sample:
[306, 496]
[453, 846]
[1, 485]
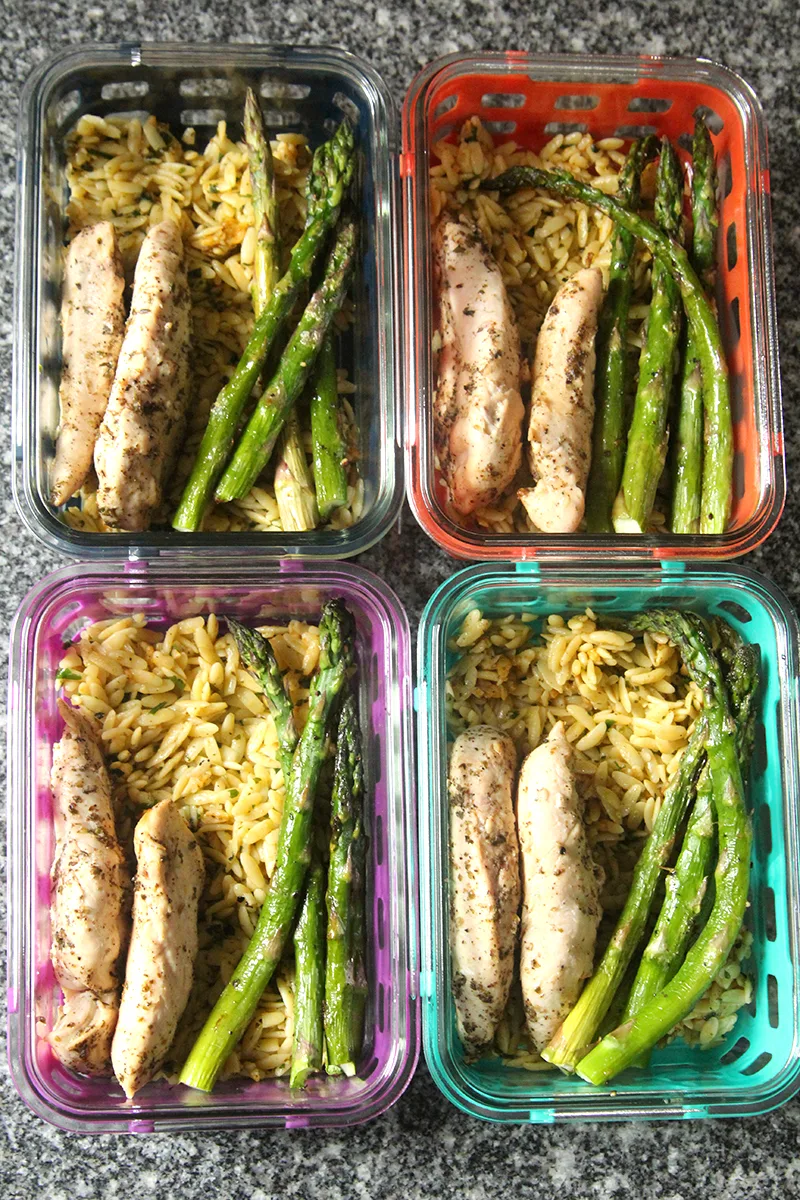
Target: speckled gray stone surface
[423, 1147]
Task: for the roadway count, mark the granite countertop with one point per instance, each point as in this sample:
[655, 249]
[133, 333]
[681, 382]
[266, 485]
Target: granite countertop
[423, 1147]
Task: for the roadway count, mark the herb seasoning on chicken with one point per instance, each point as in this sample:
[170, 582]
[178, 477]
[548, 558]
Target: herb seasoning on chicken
[143, 426]
[484, 869]
[562, 406]
[160, 966]
[478, 409]
[560, 889]
[92, 325]
[89, 890]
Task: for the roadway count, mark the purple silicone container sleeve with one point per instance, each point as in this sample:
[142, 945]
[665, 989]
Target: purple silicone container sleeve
[51, 615]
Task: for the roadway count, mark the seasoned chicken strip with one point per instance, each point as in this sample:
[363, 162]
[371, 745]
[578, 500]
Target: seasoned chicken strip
[88, 904]
[484, 885]
[560, 888]
[158, 974]
[478, 410]
[92, 324]
[144, 423]
[562, 405]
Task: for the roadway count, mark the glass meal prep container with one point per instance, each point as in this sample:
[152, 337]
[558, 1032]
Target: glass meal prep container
[757, 1067]
[52, 614]
[301, 90]
[528, 99]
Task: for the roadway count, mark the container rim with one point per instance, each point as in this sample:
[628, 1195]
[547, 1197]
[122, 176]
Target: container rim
[316, 545]
[600, 1106]
[355, 581]
[470, 544]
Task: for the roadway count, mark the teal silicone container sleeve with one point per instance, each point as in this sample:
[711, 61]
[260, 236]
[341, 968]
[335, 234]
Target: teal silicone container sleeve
[757, 1067]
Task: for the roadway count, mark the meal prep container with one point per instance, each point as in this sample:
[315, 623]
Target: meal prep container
[528, 99]
[53, 613]
[758, 1065]
[301, 90]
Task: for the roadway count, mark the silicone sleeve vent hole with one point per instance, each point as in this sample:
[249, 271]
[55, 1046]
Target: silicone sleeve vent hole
[122, 91]
[758, 765]
[381, 924]
[685, 142]
[505, 100]
[283, 118]
[276, 89]
[565, 127]
[202, 116]
[736, 1051]
[733, 250]
[379, 839]
[758, 1064]
[444, 107]
[737, 397]
[725, 175]
[772, 1000]
[66, 106]
[500, 126]
[381, 1007]
[713, 120]
[205, 87]
[649, 104]
[346, 105]
[736, 324]
[634, 131]
[736, 610]
[577, 102]
[768, 902]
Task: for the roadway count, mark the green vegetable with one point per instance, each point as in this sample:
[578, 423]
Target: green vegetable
[732, 874]
[234, 1010]
[345, 974]
[331, 172]
[330, 452]
[608, 431]
[647, 437]
[309, 972]
[297, 361]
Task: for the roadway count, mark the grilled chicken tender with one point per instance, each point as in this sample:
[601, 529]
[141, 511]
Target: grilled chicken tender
[92, 325]
[90, 887]
[158, 974]
[484, 888]
[143, 426]
[560, 888]
[478, 409]
[562, 406]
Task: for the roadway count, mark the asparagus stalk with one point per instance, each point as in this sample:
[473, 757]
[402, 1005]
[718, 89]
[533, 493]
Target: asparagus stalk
[685, 888]
[608, 433]
[644, 458]
[579, 1028]
[294, 489]
[688, 468]
[267, 260]
[235, 1007]
[700, 315]
[309, 956]
[294, 483]
[259, 657]
[331, 172]
[297, 362]
[345, 974]
[732, 874]
[330, 452]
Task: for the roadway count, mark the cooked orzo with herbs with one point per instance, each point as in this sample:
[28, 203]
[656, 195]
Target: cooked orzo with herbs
[628, 709]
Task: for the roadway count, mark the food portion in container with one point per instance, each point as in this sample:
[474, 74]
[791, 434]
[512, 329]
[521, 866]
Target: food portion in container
[599, 837]
[221, 402]
[575, 270]
[222, 773]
